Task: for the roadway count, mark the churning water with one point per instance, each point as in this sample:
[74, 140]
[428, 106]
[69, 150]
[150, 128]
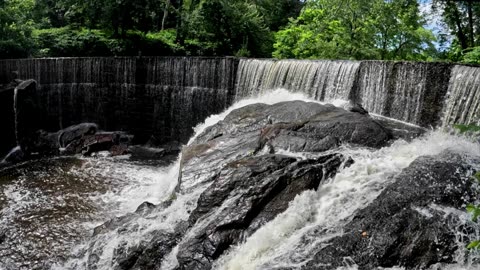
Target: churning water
[50, 208]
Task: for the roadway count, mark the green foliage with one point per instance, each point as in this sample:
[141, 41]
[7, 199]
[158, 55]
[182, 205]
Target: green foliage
[474, 245]
[147, 27]
[474, 210]
[467, 128]
[472, 56]
[15, 28]
[65, 41]
[276, 13]
[225, 27]
[476, 176]
[356, 29]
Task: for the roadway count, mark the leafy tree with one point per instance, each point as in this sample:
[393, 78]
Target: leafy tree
[226, 27]
[356, 29]
[276, 13]
[460, 17]
[400, 32]
[15, 28]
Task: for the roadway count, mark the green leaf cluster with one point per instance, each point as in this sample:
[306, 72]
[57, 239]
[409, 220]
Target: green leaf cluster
[467, 128]
[357, 29]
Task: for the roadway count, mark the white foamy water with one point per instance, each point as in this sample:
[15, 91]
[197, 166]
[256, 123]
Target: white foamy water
[156, 189]
[271, 97]
[134, 183]
[287, 241]
[48, 206]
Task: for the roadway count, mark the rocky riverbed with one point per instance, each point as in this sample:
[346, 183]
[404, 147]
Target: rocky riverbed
[275, 185]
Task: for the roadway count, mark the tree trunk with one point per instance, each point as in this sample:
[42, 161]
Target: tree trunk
[470, 23]
[462, 38]
[165, 13]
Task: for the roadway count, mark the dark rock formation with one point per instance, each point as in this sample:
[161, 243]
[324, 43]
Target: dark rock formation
[248, 183]
[294, 126]
[245, 195]
[82, 138]
[27, 115]
[146, 254]
[245, 182]
[7, 136]
[394, 231]
[72, 139]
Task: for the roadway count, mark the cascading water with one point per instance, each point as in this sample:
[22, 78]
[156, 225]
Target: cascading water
[152, 95]
[317, 216]
[394, 90]
[168, 95]
[322, 80]
[463, 100]
[406, 91]
[287, 240]
[163, 97]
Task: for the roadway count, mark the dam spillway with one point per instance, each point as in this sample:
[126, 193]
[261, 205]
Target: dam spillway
[165, 97]
[129, 94]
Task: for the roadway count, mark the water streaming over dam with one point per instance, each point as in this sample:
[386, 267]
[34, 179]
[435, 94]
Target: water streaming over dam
[160, 97]
[407, 91]
[166, 98]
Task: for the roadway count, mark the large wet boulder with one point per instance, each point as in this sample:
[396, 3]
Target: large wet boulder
[83, 138]
[294, 126]
[238, 175]
[245, 195]
[410, 222]
[246, 179]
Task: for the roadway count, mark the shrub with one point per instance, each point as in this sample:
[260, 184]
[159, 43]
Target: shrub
[60, 42]
[472, 56]
[10, 49]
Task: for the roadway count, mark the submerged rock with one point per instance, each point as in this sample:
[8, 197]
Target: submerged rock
[82, 138]
[408, 224]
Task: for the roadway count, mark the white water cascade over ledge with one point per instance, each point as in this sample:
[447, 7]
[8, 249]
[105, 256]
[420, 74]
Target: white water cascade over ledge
[312, 218]
[285, 241]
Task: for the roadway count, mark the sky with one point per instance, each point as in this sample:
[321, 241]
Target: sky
[434, 22]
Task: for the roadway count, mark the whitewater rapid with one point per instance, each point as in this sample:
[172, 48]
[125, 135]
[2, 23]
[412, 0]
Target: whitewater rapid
[311, 219]
[287, 240]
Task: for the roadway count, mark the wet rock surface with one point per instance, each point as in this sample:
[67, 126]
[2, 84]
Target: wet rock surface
[245, 178]
[409, 224]
[245, 195]
[83, 139]
[294, 126]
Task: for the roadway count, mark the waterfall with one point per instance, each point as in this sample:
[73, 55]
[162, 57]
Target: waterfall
[322, 80]
[395, 90]
[163, 97]
[407, 91]
[463, 100]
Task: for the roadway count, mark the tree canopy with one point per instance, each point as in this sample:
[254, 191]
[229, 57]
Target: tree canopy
[321, 29]
[356, 29]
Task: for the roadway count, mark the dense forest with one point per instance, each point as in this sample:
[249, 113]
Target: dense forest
[320, 29]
